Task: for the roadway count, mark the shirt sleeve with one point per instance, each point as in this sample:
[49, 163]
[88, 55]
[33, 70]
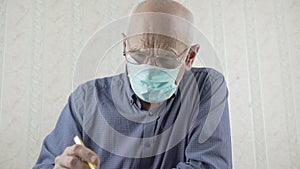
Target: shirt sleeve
[209, 145]
[61, 137]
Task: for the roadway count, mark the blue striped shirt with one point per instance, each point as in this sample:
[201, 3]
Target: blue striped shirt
[189, 130]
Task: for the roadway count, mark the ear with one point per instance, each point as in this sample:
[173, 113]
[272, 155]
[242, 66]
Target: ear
[191, 56]
[124, 43]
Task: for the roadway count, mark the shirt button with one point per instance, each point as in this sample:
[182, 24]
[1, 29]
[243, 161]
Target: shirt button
[150, 113]
[147, 144]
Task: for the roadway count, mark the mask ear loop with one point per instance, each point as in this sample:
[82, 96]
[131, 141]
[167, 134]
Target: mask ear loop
[124, 44]
[124, 54]
[182, 65]
[185, 53]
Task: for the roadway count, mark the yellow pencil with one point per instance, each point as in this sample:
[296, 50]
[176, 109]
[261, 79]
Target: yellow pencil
[79, 141]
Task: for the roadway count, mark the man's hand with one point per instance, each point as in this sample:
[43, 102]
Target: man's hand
[76, 156]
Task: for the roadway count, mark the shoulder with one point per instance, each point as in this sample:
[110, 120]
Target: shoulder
[86, 95]
[87, 92]
[208, 73]
[207, 80]
[203, 77]
[91, 86]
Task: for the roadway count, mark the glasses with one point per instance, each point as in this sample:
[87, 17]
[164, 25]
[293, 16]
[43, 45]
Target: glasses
[165, 60]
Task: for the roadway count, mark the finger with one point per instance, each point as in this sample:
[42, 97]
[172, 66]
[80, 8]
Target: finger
[57, 166]
[57, 161]
[83, 153]
[73, 162]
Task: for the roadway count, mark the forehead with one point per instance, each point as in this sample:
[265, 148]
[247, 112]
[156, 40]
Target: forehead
[156, 41]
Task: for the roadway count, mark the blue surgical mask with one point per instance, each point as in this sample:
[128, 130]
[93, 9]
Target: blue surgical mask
[151, 83]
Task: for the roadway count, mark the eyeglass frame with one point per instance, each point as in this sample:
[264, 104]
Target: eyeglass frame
[178, 58]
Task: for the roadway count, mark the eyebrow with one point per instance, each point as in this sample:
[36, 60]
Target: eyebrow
[134, 50]
[169, 54]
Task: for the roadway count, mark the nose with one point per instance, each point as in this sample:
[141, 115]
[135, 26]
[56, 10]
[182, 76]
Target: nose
[151, 61]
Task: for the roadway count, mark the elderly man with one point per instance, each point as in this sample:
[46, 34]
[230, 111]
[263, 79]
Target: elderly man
[160, 113]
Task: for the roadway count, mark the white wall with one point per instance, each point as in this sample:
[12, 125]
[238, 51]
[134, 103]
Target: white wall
[257, 41]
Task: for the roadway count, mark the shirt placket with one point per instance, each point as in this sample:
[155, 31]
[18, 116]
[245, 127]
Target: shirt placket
[148, 140]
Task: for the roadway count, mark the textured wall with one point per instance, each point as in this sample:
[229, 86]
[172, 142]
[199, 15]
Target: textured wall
[257, 41]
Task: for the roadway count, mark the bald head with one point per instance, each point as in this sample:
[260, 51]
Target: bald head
[163, 24]
[164, 6]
